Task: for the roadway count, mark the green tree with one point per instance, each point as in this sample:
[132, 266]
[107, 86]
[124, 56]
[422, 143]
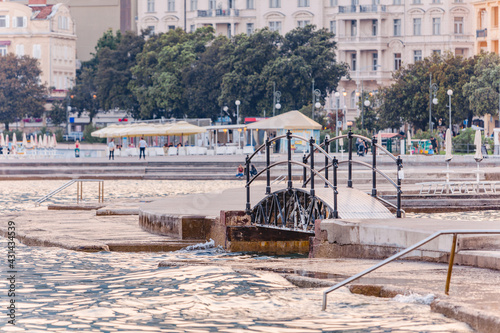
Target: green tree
[482, 90]
[20, 91]
[369, 119]
[158, 72]
[58, 113]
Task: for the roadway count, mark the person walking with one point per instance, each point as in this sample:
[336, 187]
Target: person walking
[142, 148]
[111, 146]
[77, 148]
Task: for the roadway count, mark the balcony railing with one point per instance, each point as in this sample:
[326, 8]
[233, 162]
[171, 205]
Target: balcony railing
[218, 12]
[482, 33]
[347, 9]
[372, 9]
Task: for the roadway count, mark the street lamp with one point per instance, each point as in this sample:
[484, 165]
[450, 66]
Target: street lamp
[316, 103]
[225, 108]
[237, 111]
[276, 103]
[337, 95]
[449, 92]
[344, 120]
[367, 104]
[432, 90]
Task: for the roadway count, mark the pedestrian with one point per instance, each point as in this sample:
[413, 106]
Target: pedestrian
[239, 172]
[111, 146]
[253, 171]
[435, 144]
[77, 148]
[142, 148]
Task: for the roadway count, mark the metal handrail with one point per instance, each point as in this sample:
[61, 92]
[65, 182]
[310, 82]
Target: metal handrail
[79, 193]
[409, 249]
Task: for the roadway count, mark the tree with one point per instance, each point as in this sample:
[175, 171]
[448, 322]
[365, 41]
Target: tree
[20, 90]
[407, 99]
[58, 113]
[370, 117]
[158, 72]
[482, 89]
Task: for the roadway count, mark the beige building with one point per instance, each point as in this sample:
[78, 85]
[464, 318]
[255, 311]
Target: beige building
[375, 37]
[94, 17]
[45, 32]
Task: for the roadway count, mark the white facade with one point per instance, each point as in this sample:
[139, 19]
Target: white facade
[375, 37]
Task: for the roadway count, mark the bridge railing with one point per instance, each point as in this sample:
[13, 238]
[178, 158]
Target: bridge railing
[313, 172]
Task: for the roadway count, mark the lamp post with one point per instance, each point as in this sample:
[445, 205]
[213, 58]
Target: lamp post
[367, 104]
[315, 101]
[344, 93]
[237, 111]
[337, 95]
[225, 108]
[432, 90]
[276, 99]
[449, 92]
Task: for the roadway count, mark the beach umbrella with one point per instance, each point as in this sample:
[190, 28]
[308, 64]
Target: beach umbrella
[6, 139]
[54, 140]
[448, 146]
[40, 141]
[35, 141]
[46, 141]
[2, 140]
[379, 140]
[25, 141]
[478, 156]
[341, 141]
[408, 142]
[14, 139]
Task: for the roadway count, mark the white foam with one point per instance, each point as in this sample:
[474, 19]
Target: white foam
[415, 298]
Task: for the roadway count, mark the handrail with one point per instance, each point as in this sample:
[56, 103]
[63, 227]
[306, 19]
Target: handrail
[409, 249]
[79, 193]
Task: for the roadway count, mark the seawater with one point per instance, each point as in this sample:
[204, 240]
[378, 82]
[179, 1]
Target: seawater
[65, 291]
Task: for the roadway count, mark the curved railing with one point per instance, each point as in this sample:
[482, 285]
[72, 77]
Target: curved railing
[313, 172]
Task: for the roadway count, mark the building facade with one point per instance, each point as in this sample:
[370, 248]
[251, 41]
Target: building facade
[45, 32]
[374, 37]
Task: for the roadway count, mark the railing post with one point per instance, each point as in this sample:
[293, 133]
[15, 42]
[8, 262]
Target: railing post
[335, 192]
[374, 166]
[400, 166]
[450, 264]
[327, 149]
[311, 149]
[289, 138]
[349, 175]
[268, 162]
[247, 171]
[304, 171]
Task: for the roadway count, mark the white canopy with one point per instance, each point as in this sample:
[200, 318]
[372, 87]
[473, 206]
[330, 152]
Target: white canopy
[293, 120]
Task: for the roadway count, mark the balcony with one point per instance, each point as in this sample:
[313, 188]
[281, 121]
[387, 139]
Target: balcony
[219, 13]
[482, 33]
[372, 9]
[347, 9]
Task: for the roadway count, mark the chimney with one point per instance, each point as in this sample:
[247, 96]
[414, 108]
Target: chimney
[36, 3]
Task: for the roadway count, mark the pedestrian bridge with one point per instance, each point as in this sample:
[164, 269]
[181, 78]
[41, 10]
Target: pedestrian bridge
[297, 208]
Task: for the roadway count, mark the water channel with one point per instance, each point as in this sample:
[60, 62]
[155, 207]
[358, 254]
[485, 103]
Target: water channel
[65, 291]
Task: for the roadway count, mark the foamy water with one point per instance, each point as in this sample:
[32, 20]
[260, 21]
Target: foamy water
[65, 291]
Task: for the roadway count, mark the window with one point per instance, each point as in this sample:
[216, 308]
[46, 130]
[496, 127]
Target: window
[19, 22]
[417, 2]
[436, 26]
[417, 26]
[374, 61]
[302, 24]
[397, 61]
[495, 17]
[250, 28]
[151, 29]
[250, 4]
[3, 50]
[333, 3]
[354, 30]
[438, 52]
[151, 6]
[396, 2]
[192, 28]
[275, 26]
[171, 6]
[194, 4]
[20, 50]
[353, 99]
[436, 1]
[374, 27]
[303, 3]
[459, 25]
[397, 27]
[171, 27]
[333, 27]
[353, 61]
[230, 4]
[4, 21]
[211, 4]
[63, 23]
[417, 55]
[460, 52]
[274, 3]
